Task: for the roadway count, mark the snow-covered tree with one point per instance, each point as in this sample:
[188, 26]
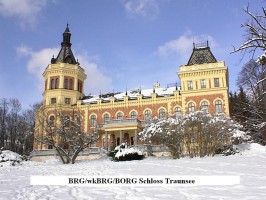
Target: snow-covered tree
[255, 28]
[65, 135]
[253, 74]
[196, 134]
[165, 131]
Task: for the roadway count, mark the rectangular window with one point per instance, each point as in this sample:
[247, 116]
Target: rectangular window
[54, 82]
[80, 85]
[132, 141]
[65, 83]
[203, 83]
[45, 86]
[67, 100]
[190, 85]
[53, 100]
[216, 82]
[68, 83]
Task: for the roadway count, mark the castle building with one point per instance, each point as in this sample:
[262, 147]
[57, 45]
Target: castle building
[119, 117]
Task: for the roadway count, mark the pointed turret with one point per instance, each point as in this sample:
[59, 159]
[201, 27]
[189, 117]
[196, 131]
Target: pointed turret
[65, 55]
[66, 38]
[201, 54]
[64, 77]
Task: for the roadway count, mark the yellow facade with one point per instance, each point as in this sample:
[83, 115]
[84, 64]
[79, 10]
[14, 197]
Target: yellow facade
[62, 71]
[120, 117]
[208, 72]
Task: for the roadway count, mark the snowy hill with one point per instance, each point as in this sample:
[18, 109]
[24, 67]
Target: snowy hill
[250, 165]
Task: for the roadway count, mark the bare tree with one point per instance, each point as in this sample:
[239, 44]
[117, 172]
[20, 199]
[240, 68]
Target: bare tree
[64, 134]
[253, 74]
[3, 116]
[13, 121]
[250, 78]
[255, 29]
[16, 126]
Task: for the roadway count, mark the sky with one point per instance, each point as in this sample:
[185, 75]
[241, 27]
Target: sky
[121, 44]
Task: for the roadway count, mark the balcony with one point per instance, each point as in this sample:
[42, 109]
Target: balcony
[129, 123]
[123, 121]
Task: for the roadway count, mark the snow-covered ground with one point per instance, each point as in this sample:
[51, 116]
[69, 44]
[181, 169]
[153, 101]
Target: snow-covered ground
[250, 165]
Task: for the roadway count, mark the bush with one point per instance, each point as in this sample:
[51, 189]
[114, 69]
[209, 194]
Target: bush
[10, 157]
[123, 153]
[226, 150]
[128, 154]
[195, 134]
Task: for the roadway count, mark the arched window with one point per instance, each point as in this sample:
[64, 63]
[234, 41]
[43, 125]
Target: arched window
[52, 84]
[177, 110]
[106, 117]
[56, 83]
[67, 121]
[204, 105]
[147, 115]
[120, 115]
[93, 121]
[218, 106]
[70, 84]
[80, 86]
[133, 114]
[191, 107]
[66, 83]
[162, 113]
[51, 121]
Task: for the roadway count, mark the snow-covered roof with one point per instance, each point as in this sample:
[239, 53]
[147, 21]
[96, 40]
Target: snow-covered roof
[132, 94]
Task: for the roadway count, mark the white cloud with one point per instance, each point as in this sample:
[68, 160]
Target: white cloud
[38, 61]
[96, 81]
[27, 11]
[145, 8]
[182, 46]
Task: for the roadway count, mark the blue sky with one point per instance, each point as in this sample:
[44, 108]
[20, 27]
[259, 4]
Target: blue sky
[120, 43]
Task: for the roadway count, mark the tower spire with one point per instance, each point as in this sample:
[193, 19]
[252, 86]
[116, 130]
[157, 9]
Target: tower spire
[65, 55]
[66, 37]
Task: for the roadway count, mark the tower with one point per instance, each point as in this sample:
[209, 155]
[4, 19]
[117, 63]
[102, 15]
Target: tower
[64, 86]
[64, 77]
[204, 82]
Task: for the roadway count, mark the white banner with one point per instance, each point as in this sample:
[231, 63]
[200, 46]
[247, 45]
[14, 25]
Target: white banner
[135, 180]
